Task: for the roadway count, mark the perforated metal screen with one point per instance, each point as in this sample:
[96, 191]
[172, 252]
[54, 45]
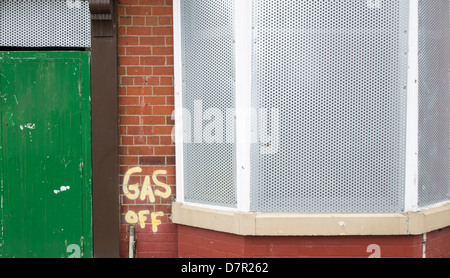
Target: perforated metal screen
[335, 73]
[434, 101]
[45, 23]
[208, 93]
[336, 70]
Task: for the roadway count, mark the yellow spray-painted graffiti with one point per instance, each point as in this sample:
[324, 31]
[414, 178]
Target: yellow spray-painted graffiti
[133, 193]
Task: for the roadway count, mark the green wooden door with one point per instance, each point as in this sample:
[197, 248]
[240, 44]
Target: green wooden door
[45, 190]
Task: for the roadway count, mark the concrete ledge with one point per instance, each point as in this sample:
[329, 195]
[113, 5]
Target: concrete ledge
[429, 220]
[293, 224]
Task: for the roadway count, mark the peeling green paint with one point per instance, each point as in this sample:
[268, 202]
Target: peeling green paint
[45, 125]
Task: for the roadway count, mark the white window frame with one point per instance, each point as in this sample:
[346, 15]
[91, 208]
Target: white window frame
[243, 53]
[412, 115]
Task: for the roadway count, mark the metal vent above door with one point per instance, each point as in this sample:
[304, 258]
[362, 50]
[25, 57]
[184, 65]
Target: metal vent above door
[45, 23]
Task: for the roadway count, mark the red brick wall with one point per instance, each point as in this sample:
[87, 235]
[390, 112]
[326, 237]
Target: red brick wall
[146, 102]
[195, 242]
[162, 244]
[200, 243]
[438, 244]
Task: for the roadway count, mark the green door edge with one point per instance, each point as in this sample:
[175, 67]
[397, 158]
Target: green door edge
[83, 57]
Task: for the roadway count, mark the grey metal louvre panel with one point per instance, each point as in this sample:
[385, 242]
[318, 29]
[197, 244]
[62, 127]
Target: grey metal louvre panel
[45, 23]
[434, 101]
[207, 30]
[336, 71]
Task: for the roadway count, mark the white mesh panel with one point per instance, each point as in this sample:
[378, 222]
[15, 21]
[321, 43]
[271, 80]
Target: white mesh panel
[208, 91]
[45, 23]
[336, 70]
[434, 101]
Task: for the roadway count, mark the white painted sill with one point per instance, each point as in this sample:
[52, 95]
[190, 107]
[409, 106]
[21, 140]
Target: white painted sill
[292, 224]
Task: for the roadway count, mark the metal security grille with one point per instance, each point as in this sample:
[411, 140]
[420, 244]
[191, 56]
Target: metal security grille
[208, 93]
[336, 71]
[45, 23]
[434, 102]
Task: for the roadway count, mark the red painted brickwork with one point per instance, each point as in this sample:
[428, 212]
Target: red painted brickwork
[146, 102]
[162, 244]
[438, 244]
[200, 243]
